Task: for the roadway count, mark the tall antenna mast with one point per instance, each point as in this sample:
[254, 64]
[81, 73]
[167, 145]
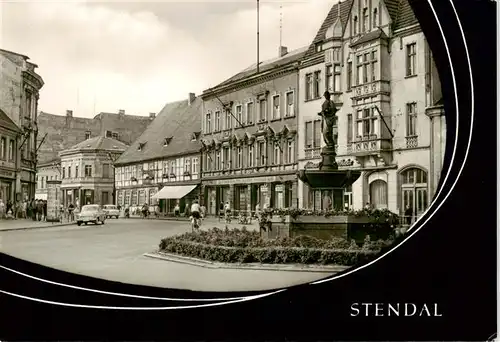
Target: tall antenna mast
[281, 25]
[258, 36]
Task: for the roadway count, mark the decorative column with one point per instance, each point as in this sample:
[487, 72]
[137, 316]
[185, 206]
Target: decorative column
[230, 197]
[437, 148]
[295, 199]
[249, 199]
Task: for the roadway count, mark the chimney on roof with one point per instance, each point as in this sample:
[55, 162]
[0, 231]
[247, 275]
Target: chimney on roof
[152, 115]
[283, 50]
[69, 113]
[121, 111]
[191, 98]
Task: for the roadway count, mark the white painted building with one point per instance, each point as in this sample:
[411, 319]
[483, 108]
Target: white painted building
[372, 54]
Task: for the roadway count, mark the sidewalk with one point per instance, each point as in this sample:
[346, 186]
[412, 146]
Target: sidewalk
[20, 224]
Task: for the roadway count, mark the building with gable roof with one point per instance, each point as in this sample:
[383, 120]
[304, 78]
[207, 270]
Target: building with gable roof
[87, 171]
[163, 166]
[249, 136]
[373, 57]
[19, 92]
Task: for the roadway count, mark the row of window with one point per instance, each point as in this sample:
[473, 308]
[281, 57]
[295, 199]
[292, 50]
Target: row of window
[67, 171]
[176, 168]
[258, 154]
[366, 72]
[42, 181]
[135, 197]
[245, 114]
[7, 149]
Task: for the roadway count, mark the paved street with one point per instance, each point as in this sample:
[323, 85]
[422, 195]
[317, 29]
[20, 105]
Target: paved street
[114, 251]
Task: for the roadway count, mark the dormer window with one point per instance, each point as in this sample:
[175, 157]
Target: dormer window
[115, 136]
[167, 141]
[319, 47]
[87, 135]
[141, 146]
[109, 134]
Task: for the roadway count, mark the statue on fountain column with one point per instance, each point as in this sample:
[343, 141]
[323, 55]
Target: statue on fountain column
[328, 113]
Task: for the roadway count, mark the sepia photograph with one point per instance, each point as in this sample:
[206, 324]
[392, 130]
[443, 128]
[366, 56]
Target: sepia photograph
[295, 145]
[215, 146]
[248, 170]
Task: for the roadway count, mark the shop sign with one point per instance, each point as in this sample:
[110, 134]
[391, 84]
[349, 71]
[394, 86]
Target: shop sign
[253, 180]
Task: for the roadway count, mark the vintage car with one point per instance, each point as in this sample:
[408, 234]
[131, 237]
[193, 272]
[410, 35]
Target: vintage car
[111, 211]
[91, 213]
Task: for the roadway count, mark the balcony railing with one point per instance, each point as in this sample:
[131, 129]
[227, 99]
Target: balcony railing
[369, 146]
[371, 88]
[312, 153]
[412, 141]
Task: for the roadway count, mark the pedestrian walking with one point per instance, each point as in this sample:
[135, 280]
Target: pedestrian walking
[71, 210]
[221, 210]
[177, 209]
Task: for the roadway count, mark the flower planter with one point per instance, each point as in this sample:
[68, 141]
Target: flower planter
[321, 227]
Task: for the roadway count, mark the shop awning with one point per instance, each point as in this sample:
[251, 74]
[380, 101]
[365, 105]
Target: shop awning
[41, 197]
[174, 191]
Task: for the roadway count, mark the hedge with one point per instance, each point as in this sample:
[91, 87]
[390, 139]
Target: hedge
[269, 255]
[242, 246]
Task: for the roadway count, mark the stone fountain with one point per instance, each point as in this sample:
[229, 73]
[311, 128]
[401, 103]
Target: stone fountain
[328, 175]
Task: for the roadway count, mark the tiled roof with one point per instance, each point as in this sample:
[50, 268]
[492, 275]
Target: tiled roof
[290, 57]
[401, 13]
[378, 33]
[99, 143]
[331, 18]
[177, 120]
[6, 122]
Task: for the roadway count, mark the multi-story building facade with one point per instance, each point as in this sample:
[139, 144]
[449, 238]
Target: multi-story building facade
[46, 171]
[87, 171]
[373, 57]
[9, 133]
[163, 165]
[249, 137]
[19, 92]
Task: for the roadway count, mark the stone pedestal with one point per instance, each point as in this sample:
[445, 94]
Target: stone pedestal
[328, 158]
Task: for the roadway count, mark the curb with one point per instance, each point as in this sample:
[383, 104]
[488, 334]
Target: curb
[40, 227]
[259, 267]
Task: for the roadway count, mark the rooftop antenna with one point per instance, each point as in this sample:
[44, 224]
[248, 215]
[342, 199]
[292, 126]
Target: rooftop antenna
[257, 36]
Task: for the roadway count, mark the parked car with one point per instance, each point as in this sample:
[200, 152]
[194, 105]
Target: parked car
[91, 213]
[111, 211]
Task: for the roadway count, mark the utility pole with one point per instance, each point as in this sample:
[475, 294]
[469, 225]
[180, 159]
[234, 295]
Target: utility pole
[258, 36]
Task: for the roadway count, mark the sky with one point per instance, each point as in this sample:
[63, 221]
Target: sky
[137, 56]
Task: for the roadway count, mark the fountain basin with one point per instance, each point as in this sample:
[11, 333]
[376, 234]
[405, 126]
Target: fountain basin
[327, 179]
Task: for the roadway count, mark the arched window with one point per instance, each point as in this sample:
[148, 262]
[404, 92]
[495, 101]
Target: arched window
[375, 18]
[414, 191]
[365, 20]
[355, 25]
[378, 194]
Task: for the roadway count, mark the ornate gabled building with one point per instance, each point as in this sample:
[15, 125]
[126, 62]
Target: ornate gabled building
[87, 171]
[249, 136]
[163, 165]
[373, 57]
[19, 92]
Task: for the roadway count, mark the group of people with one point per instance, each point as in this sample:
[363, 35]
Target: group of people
[34, 209]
